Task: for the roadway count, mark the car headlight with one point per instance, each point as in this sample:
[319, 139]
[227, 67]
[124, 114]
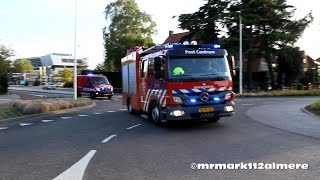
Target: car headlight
[177, 99]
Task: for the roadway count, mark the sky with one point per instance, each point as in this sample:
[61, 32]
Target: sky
[38, 27]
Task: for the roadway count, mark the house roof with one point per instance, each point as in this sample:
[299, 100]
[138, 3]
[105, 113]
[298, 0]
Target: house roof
[176, 38]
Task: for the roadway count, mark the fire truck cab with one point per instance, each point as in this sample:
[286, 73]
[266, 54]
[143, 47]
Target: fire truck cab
[94, 85]
[178, 82]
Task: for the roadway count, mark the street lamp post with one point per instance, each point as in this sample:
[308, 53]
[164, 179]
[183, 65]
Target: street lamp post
[75, 53]
[240, 53]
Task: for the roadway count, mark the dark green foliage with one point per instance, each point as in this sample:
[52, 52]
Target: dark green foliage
[269, 30]
[129, 27]
[5, 53]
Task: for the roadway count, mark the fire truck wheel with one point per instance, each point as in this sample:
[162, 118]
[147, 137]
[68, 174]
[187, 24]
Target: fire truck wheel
[78, 94]
[109, 97]
[213, 119]
[154, 114]
[129, 107]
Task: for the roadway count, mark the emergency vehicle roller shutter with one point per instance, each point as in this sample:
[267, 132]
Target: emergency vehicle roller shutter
[129, 78]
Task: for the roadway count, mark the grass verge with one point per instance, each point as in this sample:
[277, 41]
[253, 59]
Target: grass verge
[10, 112]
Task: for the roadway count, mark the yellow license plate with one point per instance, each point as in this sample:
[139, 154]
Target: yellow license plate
[206, 109]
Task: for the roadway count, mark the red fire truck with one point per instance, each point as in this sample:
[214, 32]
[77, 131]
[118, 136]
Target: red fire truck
[178, 82]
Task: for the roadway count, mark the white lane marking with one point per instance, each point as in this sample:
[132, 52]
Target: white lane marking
[247, 104]
[46, 121]
[36, 95]
[82, 115]
[133, 126]
[65, 117]
[76, 171]
[111, 111]
[108, 138]
[123, 109]
[3, 128]
[97, 113]
[291, 101]
[144, 116]
[106, 100]
[5, 99]
[268, 102]
[25, 124]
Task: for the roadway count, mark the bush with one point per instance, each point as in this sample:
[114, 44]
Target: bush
[315, 105]
[36, 82]
[68, 85]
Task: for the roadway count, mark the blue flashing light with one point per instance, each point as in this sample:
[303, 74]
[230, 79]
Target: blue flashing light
[90, 74]
[216, 46]
[193, 100]
[216, 99]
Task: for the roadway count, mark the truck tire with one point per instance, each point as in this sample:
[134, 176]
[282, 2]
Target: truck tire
[109, 97]
[155, 114]
[79, 94]
[213, 119]
[130, 109]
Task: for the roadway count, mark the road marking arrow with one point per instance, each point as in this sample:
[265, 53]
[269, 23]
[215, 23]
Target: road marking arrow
[77, 170]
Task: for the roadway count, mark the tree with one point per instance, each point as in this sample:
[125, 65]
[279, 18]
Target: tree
[129, 27]
[5, 53]
[268, 27]
[22, 66]
[67, 75]
[82, 65]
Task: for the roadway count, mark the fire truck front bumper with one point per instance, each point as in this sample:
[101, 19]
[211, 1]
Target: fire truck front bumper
[198, 112]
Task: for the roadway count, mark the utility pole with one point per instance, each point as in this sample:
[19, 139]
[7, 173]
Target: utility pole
[75, 53]
[240, 53]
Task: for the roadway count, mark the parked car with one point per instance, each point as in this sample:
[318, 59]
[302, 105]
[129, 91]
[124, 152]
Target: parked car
[49, 86]
[60, 84]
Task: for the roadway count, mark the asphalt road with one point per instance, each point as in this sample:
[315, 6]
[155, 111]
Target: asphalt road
[106, 142]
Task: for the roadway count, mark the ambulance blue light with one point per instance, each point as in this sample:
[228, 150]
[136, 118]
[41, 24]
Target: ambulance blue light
[193, 100]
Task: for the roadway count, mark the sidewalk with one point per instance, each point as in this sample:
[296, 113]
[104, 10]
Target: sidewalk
[7, 98]
[289, 115]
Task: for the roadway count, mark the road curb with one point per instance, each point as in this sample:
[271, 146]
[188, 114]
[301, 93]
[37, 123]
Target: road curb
[304, 110]
[40, 115]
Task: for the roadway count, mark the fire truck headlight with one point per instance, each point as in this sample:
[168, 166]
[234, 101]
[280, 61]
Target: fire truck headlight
[177, 113]
[228, 108]
[177, 99]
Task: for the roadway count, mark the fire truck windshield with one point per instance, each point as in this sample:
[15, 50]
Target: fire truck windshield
[99, 80]
[198, 69]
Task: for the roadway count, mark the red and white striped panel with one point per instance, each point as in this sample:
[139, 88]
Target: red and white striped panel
[160, 94]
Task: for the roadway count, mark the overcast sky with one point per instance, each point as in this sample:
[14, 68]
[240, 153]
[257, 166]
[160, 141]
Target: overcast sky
[38, 27]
